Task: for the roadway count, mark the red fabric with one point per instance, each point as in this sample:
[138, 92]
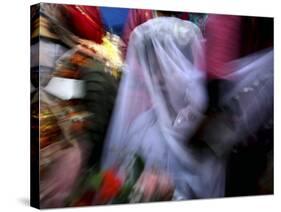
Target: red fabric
[87, 26]
[223, 35]
[231, 37]
[184, 16]
[135, 18]
[110, 187]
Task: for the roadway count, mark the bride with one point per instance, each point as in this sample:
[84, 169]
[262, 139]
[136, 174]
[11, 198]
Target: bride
[161, 102]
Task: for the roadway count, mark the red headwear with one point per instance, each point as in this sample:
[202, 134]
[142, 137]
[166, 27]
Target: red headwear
[86, 22]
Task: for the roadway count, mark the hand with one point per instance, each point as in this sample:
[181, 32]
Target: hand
[154, 186]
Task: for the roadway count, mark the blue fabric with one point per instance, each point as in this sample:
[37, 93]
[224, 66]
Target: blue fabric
[114, 19]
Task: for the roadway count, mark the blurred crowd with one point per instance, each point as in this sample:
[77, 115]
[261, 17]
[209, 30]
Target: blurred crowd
[178, 106]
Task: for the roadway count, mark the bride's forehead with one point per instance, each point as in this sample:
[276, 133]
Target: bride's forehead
[162, 32]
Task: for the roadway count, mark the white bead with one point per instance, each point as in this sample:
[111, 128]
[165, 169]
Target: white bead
[256, 83]
[245, 90]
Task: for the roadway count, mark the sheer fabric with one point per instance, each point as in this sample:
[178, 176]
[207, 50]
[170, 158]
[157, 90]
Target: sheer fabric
[160, 103]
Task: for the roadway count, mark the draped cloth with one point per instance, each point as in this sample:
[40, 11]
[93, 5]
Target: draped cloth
[245, 102]
[137, 17]
[160, 104]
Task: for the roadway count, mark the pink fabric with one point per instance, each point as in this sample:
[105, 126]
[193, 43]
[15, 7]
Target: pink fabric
[223, 35]
[135, 18]
[61, 179]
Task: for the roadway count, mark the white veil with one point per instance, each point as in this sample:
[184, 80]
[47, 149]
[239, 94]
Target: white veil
[160, 103]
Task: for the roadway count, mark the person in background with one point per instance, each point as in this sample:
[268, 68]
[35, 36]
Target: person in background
[92, 57]
[248, 41]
